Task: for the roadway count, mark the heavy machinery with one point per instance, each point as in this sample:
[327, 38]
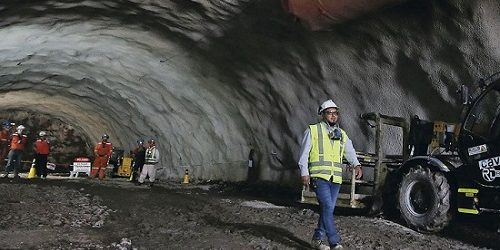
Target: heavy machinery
[443, 168]
[120, 164]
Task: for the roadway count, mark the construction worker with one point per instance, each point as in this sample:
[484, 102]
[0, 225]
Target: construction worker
[323, 146]
[4, 141]
[139, 158]
[42, 149]
[17, 143]
[151, 159]
[102, 153]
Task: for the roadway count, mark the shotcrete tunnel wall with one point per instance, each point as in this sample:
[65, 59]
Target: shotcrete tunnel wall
[211, 80]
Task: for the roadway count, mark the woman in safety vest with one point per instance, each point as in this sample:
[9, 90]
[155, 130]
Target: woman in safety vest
[18, 141]
[42, 149]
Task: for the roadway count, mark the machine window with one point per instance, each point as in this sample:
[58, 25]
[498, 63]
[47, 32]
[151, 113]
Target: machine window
[484, 120]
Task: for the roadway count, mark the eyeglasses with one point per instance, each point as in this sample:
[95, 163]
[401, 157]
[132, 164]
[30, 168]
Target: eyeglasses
[336, 113]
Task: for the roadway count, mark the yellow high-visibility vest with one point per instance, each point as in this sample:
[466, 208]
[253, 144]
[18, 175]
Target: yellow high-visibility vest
[325, 156]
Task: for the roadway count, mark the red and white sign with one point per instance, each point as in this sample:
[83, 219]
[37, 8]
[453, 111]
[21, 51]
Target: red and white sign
[81, 167]
[81, 159]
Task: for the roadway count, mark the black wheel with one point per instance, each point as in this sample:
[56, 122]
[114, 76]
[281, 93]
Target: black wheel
[424, 199]
[109, 171]
[374, 206]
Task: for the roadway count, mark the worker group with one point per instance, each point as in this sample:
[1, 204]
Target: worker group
[12, 147]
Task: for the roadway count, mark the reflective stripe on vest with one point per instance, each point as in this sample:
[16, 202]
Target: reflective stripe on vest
[151, 156]
[325, 156]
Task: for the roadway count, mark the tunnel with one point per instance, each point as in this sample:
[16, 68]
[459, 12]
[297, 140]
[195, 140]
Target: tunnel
[218, 82]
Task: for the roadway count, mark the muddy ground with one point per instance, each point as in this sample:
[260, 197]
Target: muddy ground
[115, 214]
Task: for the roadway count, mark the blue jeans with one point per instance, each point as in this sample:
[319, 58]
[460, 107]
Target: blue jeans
[326, 193]
[14, 161]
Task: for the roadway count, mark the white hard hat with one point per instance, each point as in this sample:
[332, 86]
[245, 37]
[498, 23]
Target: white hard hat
[325, 105]
[20, 127]
[42, 133]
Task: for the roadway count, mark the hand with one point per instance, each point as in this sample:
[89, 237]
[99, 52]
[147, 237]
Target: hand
[358, 172]
[306, 180]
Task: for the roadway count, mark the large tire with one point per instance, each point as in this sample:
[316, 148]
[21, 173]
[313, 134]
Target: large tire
[424, 199]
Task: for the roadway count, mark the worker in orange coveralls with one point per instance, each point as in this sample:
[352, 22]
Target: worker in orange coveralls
[102, 153]
[4, 141]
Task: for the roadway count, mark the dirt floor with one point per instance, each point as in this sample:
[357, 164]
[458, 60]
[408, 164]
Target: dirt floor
[115, 214]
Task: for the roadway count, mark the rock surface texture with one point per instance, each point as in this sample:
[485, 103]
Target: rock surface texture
[210, 80]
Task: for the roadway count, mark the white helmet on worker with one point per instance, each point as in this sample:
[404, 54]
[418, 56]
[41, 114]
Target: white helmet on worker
[20, 127]
[42, 133]
[326, 105]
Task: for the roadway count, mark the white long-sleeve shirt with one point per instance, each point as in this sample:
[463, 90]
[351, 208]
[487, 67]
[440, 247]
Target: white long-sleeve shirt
[305, 148]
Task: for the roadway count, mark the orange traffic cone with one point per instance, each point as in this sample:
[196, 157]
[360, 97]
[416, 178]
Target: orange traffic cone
[32, 173]
[186, 177]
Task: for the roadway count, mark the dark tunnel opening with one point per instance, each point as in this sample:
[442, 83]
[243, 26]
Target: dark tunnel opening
[67, 140]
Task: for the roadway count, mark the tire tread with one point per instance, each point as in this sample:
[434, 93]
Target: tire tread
[442, 215]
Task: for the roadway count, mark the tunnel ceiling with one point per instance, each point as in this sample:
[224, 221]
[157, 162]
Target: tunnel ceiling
[212, 79]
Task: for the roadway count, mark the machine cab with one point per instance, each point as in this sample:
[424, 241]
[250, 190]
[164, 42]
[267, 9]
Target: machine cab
[479, 138]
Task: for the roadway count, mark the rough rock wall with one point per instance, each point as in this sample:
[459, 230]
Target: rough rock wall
[212, 79]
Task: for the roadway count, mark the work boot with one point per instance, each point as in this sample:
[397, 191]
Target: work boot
[320, 245]
[337, 246]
